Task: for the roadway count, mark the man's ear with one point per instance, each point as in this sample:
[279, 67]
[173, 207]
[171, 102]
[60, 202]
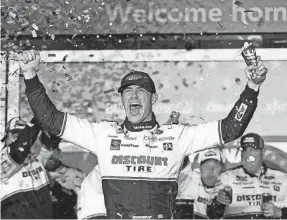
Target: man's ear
[154, 98]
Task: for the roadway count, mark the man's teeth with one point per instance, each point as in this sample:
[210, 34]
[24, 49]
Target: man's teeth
[135, 105]
[135, 108]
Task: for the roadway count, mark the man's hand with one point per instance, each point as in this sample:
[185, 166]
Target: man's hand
[270, 210]
[223, 198]
[28, 63]
[256, 75]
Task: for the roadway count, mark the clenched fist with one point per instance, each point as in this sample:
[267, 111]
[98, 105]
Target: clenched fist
[28, 62]
[270, 210]
[256, 74]
[223, 198]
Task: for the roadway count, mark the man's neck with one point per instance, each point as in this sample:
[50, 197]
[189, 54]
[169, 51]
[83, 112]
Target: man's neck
[145, 125]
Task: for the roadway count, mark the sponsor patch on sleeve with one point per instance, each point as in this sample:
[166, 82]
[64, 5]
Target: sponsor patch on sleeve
[241, 111]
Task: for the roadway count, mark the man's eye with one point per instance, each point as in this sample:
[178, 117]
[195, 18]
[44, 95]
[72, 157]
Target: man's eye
[141, 90]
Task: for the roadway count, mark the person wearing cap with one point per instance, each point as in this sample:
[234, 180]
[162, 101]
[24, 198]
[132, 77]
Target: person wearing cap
[91, 201]
[65, 184]
[139, 160]
[249, 182]
[25, 184]
[197, 188]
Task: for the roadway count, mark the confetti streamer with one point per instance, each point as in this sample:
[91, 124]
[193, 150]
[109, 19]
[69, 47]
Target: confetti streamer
[34, 34]
[25, 24]
[34, 7]
[52, 36]
[13, 15]
[35, 27]
[110, 90]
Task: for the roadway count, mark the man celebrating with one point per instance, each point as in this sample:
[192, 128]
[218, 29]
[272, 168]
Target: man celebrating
[199, 187]
[139, 160]
[250, 183]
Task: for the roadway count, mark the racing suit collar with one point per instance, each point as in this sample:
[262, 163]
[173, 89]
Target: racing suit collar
[147, 125]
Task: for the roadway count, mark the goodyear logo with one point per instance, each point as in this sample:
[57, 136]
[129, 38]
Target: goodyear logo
[129, 145]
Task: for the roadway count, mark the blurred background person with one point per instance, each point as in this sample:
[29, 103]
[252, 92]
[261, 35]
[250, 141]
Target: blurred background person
[25, 191]
[65, 181]
[257, 191]
[195, 190]
[26, 186]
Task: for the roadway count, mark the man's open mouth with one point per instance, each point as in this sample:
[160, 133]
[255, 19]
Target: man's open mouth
[135, 108]
[250, 159]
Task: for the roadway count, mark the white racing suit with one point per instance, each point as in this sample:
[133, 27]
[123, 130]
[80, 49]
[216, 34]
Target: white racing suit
[190, 187]
[139, 167]
[25, 189]
[247, 191]
[91, 201]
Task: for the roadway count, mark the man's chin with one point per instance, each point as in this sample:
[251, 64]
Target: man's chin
[209, 183]
[135, 119]
[250, 169]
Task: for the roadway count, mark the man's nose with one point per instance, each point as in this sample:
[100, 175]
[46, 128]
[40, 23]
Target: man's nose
[210, 171]
[135, 93]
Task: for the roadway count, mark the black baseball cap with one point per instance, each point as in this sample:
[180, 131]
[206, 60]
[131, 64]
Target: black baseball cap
[252, 140]
[138, 78]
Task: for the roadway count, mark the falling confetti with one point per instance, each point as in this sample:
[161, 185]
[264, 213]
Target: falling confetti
[68, 77]
[55, 86]
[13, 15]
[220, 24]
[35, 27]
[34, 34]
[237, 80]
[65, 57]
[248, 11]
[239, 3]
[52, 36]
[34, 7]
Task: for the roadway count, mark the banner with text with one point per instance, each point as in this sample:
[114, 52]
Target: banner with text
[145, 16]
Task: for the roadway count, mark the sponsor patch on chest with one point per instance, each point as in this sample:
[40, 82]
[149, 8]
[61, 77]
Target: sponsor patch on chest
[115, 144]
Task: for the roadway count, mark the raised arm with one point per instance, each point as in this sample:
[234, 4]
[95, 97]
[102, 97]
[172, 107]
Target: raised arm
[68, 127]
[234, 125]
[13, 155]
